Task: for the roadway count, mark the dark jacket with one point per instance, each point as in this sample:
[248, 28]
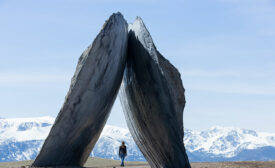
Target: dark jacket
[122, 150]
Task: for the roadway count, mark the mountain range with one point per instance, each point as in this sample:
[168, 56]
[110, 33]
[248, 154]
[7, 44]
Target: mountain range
[22, 138]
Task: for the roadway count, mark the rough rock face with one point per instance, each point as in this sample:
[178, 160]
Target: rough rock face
[93, 90]
[153, 100]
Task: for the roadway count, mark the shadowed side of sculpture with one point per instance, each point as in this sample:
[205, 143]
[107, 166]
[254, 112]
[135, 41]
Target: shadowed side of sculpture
[93, 90]
[153, 100]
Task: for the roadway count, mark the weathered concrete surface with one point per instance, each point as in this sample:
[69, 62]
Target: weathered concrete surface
[153, 100]
[93, 90]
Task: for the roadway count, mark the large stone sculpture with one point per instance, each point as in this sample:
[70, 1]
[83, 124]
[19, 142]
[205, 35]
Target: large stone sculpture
[151, 94]
[153, 100]
[93, 90]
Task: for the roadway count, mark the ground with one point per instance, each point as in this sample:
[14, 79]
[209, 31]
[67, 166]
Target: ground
[108, 163]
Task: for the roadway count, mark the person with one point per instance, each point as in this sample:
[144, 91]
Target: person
[122, 153]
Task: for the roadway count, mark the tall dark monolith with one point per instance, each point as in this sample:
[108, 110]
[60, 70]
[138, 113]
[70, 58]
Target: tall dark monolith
[93, 90]
[152, 96]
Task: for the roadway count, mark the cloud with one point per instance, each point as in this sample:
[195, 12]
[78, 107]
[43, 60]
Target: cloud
[229, 81]
[11, 78]
[254, 74]
[209, 74]
[232, 88]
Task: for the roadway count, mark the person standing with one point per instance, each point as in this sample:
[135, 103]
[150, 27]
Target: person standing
[122, 153]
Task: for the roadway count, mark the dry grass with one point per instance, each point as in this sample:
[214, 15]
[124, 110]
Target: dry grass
[250, 164]
[91, 162]
[108, 163]
[15, 164]
[99, 162]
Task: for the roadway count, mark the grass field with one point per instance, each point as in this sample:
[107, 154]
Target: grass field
[91, 162]
[108, 163]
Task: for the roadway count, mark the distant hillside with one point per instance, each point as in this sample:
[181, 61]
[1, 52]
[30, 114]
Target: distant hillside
[21, 139]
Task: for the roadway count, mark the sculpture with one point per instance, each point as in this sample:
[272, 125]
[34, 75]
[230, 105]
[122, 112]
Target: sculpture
[92, 93]
[153, 99]
[151, 94]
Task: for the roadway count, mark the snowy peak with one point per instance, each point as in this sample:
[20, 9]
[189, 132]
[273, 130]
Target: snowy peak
[226, 141]
[24, 129]
[22, 138]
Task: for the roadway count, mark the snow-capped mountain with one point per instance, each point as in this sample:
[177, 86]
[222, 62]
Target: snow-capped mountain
[24, 129]
[22, 138]
[229, 144]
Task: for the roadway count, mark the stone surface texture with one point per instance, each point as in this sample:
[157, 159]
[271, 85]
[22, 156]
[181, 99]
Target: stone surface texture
[92, 92]
[152, 96]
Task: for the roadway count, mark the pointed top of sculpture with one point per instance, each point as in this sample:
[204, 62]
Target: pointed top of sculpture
[115, 17]
[143, 35]
[140, 31]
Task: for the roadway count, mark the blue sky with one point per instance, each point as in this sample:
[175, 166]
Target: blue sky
[224, 49]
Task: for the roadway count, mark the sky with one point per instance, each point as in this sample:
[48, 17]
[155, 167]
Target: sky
[224, 49]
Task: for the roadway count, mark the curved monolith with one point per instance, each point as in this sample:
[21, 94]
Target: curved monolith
[152, 96]
[93, 90]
